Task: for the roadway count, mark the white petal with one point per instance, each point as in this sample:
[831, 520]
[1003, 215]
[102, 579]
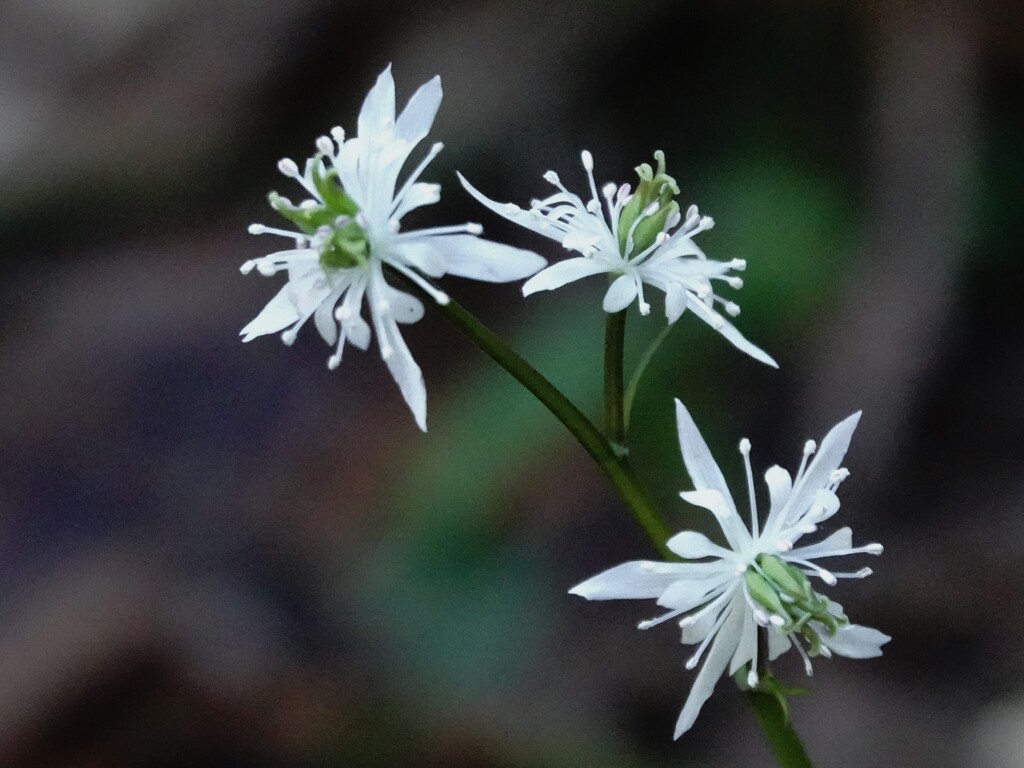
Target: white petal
[841, 539]
[829, 456]
[693, 546]
[417, 117]
[404, 307]
[778, 644]
[729, 331]
[418, 195]
[780, 487]
[700, 464]
[561, 273]
[515, 214]
[639, 579]
[406, 373]
[278, 314]
[580, 240]
[856, 642]
[717, 659]
[675, 302]
[733, 527]
[689, 593]
[422, 254]
[478, 259]
[620, 294]
[378, 111]
[324, 319]
[357, 331]
[747, 646]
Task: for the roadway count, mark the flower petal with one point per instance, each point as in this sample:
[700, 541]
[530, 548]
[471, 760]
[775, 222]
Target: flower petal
[515, 214]
[729, 331]
[378, 111]
[638, 579]
[675, 302]
[693, 546]
[746, 649]
[856, 641]
[700, 464]
[722, 649]
[778, 644]
[689, 593]
[561, 273]
[620, 294]
[840, 540]
[829, 456]
[417, 117]
[478, 259]
[780, 488]
[407, 373]
[733, 527]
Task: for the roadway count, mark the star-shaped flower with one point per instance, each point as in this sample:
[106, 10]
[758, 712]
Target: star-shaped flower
[638, 237]
[348, 229]
[760, 579]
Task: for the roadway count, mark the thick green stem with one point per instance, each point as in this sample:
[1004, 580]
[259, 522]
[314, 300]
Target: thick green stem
[614, 343]
[782, 739]
[575, 421]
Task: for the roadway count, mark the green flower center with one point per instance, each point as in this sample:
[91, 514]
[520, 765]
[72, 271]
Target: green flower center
[785, 591]
[331, 225]
[645, 214]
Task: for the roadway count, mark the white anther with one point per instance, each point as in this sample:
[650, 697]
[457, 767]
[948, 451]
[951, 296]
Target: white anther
[704, 291]
[783, 545]
[717, 322]
[874, 549]
[325, 145]
[692, 662]
[550, 177]
[266, 269]
[827, 577]
[247, 267]
[863, 573]
[342, 313]
[309, 205]
[338, 134]
[735, 282]
[436, 147]
[673, 219]
[776, 620]
[475, 229]
[738, 264]
[745, 446]
[512, 208]
[593, 206]
[333, 362]
[692, 217]
[660, 238]
[732, 308]
[651, 209]
[289, 336]
[807, 528]
[707, 222]
[810, 447]
[761, 618]
[839, 475]
[588, 160]
[608, 190]
[257, 229]
[288, 167]
[752, 679]
[825, 652]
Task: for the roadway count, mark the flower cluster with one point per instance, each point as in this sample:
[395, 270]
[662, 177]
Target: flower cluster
[760, 579]
[637, 237]
[348, 230]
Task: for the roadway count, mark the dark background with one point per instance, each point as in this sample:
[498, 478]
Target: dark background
[223, 555]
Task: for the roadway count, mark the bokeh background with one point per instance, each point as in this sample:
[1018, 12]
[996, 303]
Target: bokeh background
[216, 554]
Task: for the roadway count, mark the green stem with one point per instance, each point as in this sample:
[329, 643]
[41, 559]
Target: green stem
[641, 366]
[614, 343]
[589, 436]
[782, 739]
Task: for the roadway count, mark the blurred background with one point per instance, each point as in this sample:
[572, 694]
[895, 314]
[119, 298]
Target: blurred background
[216, 554]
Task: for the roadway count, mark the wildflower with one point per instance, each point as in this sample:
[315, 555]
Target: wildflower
[760, 579]
[348, 229]
[638, 237]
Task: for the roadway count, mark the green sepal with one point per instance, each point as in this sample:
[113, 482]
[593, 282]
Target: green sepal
[764, 593]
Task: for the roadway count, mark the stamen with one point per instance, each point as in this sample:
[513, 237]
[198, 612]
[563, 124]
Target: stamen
[809, 447]
[325, 146]
[694, 660]
[815, 570]
[475, 229]
[863, 573]
[735, 282]
[803, 654]
[247, 267]
[656, 621]
[645, 308]
[738, 264]
[588, 161]
[776, 620]
[288, 168]
[692, 218]
[338, 134]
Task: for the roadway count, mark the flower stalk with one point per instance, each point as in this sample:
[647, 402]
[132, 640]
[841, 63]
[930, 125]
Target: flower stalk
[614, 417]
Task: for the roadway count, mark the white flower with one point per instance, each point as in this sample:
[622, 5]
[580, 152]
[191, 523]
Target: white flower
[348, 229]
[760, 578]
[641, 237]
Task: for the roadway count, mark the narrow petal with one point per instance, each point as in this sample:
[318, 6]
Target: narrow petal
[407, 373]
[718, 657]
[639, 579]
[838, 541]
[620, 294]
[404, 307]
[675, 302]
[829, 456]
[780, 487]
[418, 195]
[687, 594]
[478, 259]
[700, 464]
[417, 117]
[733, 527]
[378, 111]
[729, 331]
[563, 272]
[746, 649]
[515, 214]
[278, 314]
[693, 546]
[778, 644]
[324, 318]
[856, 642]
